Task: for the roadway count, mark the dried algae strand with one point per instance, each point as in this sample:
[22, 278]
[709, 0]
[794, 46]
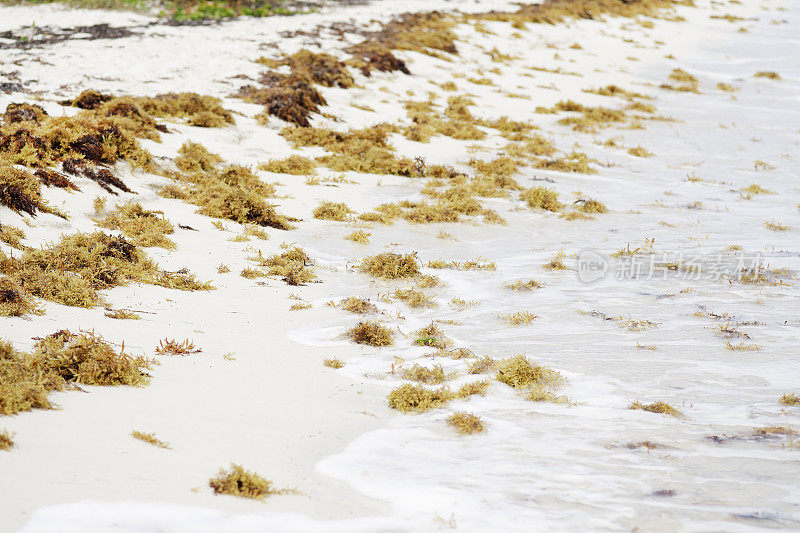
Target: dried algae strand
[150, 438]
[524, 285]
[122, 314]
[174, 347]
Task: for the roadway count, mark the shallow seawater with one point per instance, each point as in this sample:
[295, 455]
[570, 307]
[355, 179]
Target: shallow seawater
[569, 467]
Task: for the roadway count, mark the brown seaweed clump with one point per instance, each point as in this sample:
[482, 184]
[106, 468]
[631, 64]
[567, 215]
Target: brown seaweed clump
[143, 227]
[371, 333]
[358, 306]
[23, 112]
[519, 372]
[289, 97]
[194, 158]
[466, 423]
[657, 407]
[236, 481]
[322, 69]
[21, 192]
[370, 56]
[87, 359]
[391, 266]
[417, 398]
[60, 361]
[363, 150]
[293, 97]
[558, 11]
[6, 440]
[428, 33]
[12, 236]
[196, 109]
[94, 138]
[233, 192]
[542, 198]
[88, 99]
[457, 122]
[294, 164]
[293, 266]
[74, 270]
[51, 178]
[537, 381]
[336, 211]
[13, 301]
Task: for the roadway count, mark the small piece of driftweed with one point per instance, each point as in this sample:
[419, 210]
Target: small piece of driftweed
[466, 423]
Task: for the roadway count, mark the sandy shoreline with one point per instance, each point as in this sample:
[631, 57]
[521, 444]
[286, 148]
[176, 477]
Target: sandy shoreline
[330, 434]
[273, 414]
